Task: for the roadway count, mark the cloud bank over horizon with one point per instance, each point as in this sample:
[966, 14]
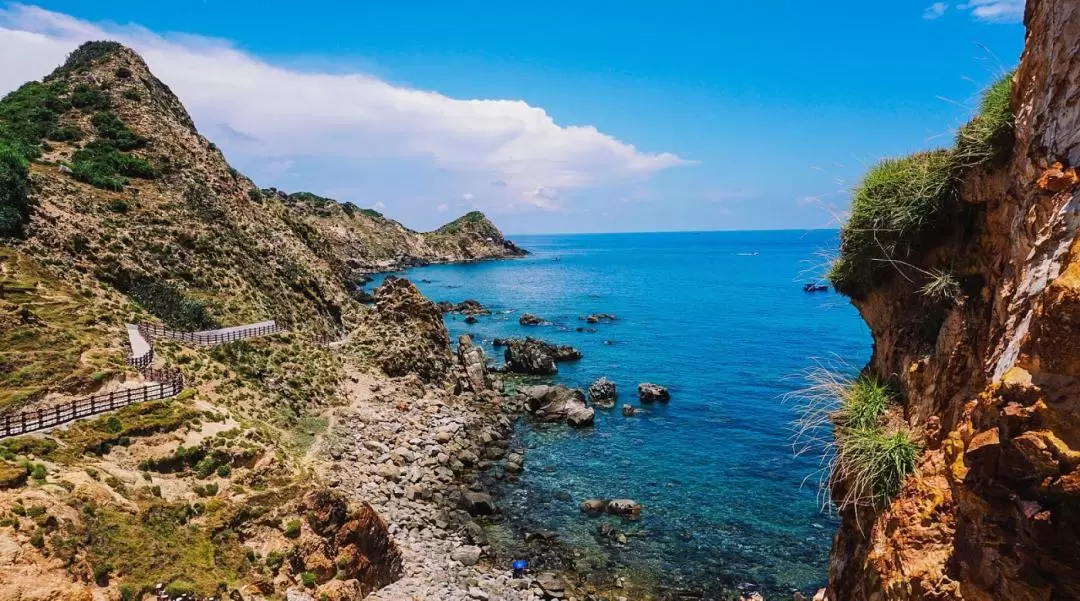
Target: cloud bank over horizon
[489, 154]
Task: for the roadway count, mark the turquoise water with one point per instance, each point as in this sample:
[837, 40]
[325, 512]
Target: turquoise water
[725, 502]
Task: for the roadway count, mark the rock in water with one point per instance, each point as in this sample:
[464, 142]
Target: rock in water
[602, 393]
[649, 393]
[598, 317]
[594, 506]
[624, 507]
[532, 359]
[580, 417]
[628, 410]
[535, 357]
[528, 319]
[477, 503]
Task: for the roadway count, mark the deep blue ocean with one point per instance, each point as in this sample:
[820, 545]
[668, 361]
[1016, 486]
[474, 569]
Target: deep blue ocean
[719, 318]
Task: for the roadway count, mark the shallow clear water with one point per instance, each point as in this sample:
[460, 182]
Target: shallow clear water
[725, 502]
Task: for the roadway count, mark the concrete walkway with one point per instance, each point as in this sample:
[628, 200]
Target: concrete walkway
[139, 346]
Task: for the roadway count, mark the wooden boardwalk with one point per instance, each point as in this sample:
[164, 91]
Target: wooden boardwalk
[162, 384]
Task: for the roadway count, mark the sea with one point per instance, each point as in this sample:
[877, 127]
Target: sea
[721, 320]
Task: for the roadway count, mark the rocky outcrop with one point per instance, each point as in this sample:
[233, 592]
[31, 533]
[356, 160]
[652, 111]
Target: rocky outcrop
[602, 393]
[558, 403]
[535, 357]
[405, 333]
[598, 317]
[989, 380]
[650, 393]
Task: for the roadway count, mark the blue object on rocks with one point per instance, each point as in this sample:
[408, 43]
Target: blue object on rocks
[519, 567]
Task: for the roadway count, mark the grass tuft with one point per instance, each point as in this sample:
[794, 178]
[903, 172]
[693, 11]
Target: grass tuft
[940, 285]
[988, 138]
[844, 420]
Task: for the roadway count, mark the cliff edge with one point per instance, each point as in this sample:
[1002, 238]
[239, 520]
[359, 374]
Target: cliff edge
[965, 264]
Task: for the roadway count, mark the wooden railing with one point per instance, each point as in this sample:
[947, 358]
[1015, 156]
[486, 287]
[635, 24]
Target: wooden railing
[166, 384]
[211, 337]
[163, 384]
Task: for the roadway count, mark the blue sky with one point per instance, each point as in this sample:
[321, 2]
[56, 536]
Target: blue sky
[556, 116]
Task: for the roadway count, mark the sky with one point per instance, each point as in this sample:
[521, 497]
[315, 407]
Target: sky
[558, 116]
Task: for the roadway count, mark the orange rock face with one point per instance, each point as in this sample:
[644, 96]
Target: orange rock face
[992, 391]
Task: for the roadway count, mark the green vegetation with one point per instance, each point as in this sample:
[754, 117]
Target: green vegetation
[863, 403]
[871, 464]
[308, 579]
[14, 192]
[940, 285]
[88, 98]
[52, 337]
[86, 55]
[292, 529]
[903, 204]
[103, 162]
[988, 138]
[98, 436]
[856, 424]
[455, 226]
[893, 211]
[28, 114]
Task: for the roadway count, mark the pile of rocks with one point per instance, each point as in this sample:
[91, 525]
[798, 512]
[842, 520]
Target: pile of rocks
[536, 357]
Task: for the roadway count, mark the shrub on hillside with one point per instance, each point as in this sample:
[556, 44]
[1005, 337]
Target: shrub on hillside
[14, 192]
[88, 97]
[29, 113]
[85, 55]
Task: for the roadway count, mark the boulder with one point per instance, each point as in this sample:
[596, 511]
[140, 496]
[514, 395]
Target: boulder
[528, 319]
[470, 320]
[598, 317]
[624, 507]
[581, 417]
[628, 410]
[602, 393]
[468, 555]
[477, 503]
[649, 393]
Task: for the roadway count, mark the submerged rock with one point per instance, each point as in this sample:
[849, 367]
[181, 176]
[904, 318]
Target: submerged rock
[598, 317]
[594, 506]
[628, 411]
[649, 393]
[602, 393]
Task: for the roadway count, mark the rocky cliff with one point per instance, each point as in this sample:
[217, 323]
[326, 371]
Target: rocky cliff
[972, 294]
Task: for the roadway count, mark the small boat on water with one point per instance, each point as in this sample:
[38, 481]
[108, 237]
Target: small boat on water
[815, 287]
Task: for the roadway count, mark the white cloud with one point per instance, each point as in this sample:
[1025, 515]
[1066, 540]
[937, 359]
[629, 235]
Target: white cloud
[995, 11]
[935, 10]
[443, 208]
[467, 197]
[278, 114]
[379, 206]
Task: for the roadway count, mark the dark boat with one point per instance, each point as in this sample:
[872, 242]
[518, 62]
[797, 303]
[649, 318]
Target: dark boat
[812, 287]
